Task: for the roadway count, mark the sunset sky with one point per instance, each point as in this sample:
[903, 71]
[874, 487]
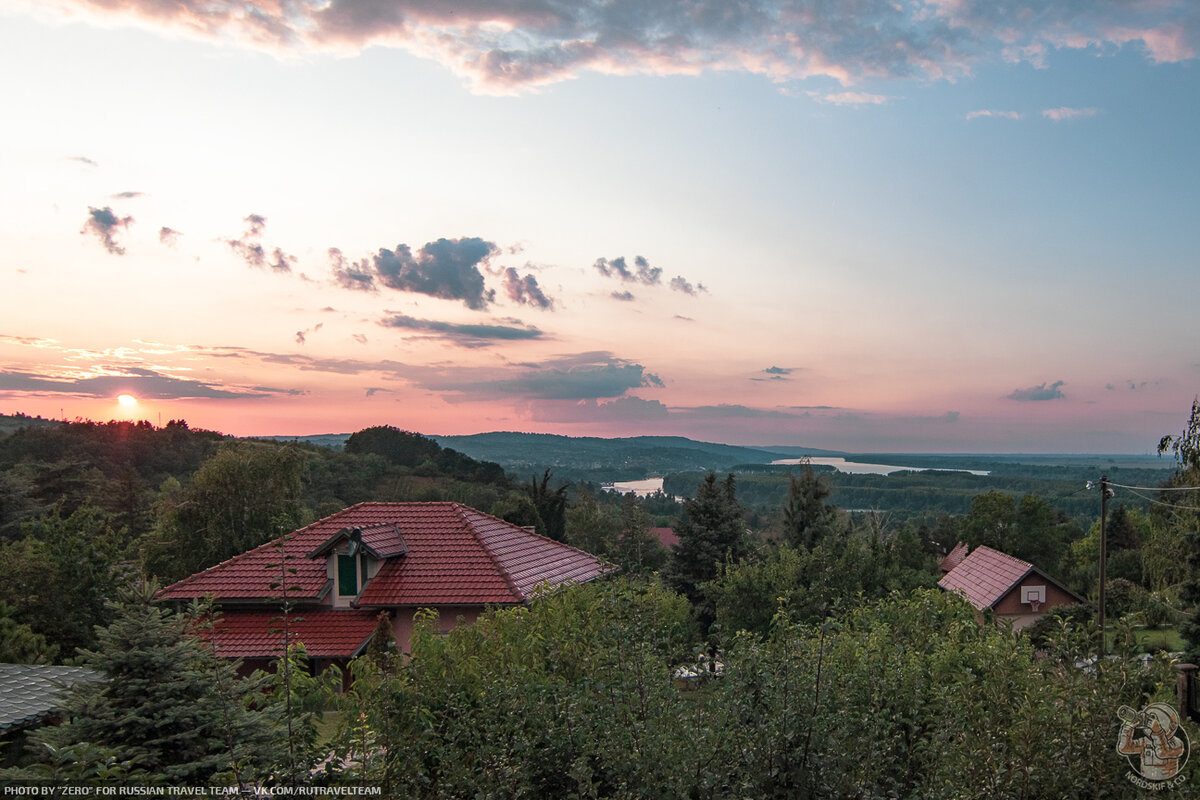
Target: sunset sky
[919, 225]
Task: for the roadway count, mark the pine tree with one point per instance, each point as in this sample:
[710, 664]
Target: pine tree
[160, 709]
[711, 532]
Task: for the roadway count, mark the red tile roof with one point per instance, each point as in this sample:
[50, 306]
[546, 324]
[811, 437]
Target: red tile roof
[985, 576]
[666, 536]
[954, 557]
[325, 633]
[455, 556]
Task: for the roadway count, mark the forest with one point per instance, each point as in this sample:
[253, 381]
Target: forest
[786, 647]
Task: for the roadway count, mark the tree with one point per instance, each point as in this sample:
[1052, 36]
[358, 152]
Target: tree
[551, 506]
[18, 642]
[159, 708]
[592, 528]
[61, 575]
[806, 518]
[637, 549]
[1183, 517]
[711, 532]
[402, 448]
[243, 496]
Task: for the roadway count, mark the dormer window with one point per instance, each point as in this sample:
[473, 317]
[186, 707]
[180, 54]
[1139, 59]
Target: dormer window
[354, 555]
[347, 576]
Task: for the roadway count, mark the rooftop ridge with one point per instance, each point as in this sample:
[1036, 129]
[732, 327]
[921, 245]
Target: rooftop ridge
[460, 509]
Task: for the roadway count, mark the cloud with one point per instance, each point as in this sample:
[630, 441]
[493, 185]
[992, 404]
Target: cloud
[518, 45]
[1063, 113]
[732, 411]
[467, 335]
[352, 274]
[948, 417]
[168, 236]
[141, 383]
[621, 409]
[127, 195]
[525, 290]
[625, 297]
[1052, 391]
[849, 98]
[992, 114]
[302, 336]
[447, 268]
[374, 390]
[83, 160]
[681, 285]
[107, 226]
[592, 375]
[776, 374]
[361, 338]
[642, 272]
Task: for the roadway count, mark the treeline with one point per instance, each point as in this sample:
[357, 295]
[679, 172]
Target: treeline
[924, 495]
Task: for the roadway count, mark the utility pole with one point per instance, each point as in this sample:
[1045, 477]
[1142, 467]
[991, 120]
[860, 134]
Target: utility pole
[1105, 493]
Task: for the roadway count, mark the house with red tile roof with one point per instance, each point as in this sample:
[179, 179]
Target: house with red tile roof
[342, 571]
[954, 557]
[1011, 589]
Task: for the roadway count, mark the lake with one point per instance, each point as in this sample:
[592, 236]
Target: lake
[860, 468]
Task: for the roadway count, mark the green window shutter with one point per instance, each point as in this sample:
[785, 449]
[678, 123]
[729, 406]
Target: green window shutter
[347, 576]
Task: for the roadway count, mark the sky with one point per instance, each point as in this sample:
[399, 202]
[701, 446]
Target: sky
[890, 226]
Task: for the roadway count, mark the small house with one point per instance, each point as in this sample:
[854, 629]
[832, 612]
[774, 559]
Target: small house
[1009, 588]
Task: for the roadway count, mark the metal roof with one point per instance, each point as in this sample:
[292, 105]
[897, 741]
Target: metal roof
[29, 693]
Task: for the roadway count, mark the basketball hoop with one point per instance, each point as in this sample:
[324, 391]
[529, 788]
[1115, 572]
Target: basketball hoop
[1035, 605]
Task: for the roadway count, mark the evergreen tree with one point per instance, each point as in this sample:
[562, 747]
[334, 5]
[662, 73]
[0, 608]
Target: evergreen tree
[167, 706]
[711, 532]
[806, 518]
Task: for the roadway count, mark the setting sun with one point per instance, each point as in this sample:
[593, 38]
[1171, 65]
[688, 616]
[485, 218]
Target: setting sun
[127, 400]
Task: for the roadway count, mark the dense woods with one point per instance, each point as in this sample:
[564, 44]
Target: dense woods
[788, 648]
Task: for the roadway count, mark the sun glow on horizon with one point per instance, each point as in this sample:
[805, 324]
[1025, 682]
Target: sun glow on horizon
[127, 401]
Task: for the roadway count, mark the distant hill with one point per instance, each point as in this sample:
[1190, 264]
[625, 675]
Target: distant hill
[594, 458]
[334, 441]
[15, 422]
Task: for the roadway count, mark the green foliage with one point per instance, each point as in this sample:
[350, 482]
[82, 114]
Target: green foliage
[567, 697]
[905, 697]
[711, 532]
[591, 527]
[637, 550]
[18, 642]
[551, 505]
[60, 575]
[167, 708]
[803, 586]
[806, 518]
[402, 448]
[240, 498]
[1184, 521]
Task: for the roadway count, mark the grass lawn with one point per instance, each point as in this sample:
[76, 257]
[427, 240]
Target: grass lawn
[1151, 641]
[327, 725]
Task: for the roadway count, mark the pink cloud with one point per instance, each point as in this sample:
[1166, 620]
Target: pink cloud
[1063, 113]
[1166, 44]
[508, 46]
[849, 98]
[989, 113]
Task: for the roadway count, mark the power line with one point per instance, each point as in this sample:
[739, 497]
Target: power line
[1155, 488]
[1159, 502]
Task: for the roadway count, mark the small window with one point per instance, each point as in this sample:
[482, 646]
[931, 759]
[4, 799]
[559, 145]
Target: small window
[347, 576]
